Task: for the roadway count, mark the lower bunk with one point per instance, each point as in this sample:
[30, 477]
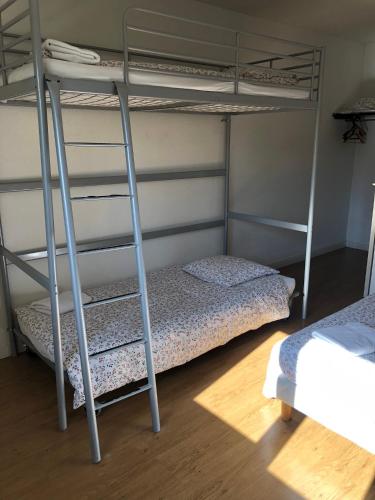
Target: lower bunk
[189, 317]
[325, 382]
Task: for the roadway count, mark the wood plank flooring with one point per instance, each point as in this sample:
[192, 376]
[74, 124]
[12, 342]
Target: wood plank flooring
[220, 438]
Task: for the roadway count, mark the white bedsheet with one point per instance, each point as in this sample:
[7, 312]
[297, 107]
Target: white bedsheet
[106, 73]
[330, 385]
[188, 317]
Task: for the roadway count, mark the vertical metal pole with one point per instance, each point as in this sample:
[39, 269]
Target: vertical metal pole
[125, 45]
[310, 222]
[125, 118]
[228, 124]
[7, 296]
[370, 257]
[54, 91]
[48, 208]
[3, 74]
[237, 69]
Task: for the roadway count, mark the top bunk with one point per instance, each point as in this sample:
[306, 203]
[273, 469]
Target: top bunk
[169, 63]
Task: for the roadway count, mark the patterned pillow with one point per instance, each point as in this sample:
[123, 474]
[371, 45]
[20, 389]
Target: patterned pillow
[227, 271]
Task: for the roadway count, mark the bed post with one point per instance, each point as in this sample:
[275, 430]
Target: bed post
[48, 208]
[310, 222]
[286, 412]
[228, 123]
[7, 296]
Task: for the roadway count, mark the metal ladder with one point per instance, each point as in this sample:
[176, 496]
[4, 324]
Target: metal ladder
[79, 307]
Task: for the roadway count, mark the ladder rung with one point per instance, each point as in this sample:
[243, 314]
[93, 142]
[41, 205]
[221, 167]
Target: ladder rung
[132, 342]
[126, 296]
[79, 144]
[143, 388]
[107, 249]
[101, 197]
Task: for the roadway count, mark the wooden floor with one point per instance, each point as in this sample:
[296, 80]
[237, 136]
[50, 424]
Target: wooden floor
[220, 438]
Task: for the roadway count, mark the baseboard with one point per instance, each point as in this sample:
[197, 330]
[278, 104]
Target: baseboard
[357, 245]
[315, 253]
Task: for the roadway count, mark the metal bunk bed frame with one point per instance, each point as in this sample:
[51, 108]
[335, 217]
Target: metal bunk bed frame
[44, 89]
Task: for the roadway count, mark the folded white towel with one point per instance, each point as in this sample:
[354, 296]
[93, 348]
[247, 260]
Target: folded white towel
[67, 52]
[357, 338]
[66, 303]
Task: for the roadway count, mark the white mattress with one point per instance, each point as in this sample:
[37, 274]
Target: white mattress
[66, 69]
[188, 318]
[330, 385]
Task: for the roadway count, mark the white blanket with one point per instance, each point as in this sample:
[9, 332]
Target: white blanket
[67, 52]
[65, 302]
[354, 337]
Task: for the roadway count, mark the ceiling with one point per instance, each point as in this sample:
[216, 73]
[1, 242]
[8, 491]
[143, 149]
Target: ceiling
[351, 19]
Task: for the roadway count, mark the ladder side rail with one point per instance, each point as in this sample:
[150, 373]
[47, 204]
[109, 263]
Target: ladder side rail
[48, 208]
[125, 119]
[54, 91]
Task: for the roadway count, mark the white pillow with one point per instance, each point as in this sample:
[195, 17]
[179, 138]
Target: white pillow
[227, 271]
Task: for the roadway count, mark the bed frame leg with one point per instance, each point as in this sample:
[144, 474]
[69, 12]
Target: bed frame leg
[286, 412]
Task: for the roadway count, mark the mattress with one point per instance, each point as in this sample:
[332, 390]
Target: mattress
[188, 318]
[137, 76]
[328, 384]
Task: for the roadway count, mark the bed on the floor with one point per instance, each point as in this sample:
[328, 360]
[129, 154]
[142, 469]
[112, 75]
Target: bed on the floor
[188, 318]
[330, 385]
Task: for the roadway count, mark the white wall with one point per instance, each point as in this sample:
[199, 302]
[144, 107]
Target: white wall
[271, 168]
[265, 149]
[362, 194]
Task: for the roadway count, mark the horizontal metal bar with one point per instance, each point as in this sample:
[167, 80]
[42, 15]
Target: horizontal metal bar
[210, 25]
[15, 42]
[21, 185]
[15, 20]
[107, 249]
[95, 144]
[268, 221]
[16, 52]
[115, 242]
[7, 4]
[99, 406]
[101, 197]
[207, 97]
[102, 302]
[180, 37]
[16, 64]
[180, 57]
[293, 54]
[26, 268]
[132, 343]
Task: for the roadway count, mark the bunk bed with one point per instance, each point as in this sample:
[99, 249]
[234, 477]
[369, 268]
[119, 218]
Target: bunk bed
[267, 77]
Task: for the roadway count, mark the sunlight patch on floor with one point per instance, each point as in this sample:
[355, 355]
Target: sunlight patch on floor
[236, 397]
[324, 463]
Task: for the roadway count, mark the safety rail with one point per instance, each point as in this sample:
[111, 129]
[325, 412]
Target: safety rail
[302, 63]
[8, 40]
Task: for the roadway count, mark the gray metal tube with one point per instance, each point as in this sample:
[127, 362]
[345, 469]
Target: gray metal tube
[125, 117]
[310, 223]
[2, 55]
[54, 91]
[48, 208]
[228, 124]
[7, 295]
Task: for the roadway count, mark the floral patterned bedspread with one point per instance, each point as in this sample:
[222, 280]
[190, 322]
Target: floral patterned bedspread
[188, 317]
[256, 74]
[302, 357]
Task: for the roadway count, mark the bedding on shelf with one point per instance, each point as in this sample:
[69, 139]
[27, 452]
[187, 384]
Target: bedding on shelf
[188, 318]
[253, 81]
[327, 383]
